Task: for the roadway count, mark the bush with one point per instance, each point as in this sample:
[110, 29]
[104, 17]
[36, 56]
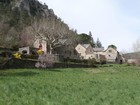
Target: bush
[72, 65]
[23, 63]
[45, 60]
[29, 56]
[92, 61]
[17, 55]
[76, 60]
[5, 62]
[5, 58]
[2, 59]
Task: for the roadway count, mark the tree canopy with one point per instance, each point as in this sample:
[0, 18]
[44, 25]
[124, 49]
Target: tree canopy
[98, 43]
[112, 46]
[85, 39]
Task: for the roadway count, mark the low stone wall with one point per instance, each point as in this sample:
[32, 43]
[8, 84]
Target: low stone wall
[24, 63]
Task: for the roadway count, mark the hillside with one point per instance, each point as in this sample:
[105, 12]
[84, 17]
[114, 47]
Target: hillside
[17, 18]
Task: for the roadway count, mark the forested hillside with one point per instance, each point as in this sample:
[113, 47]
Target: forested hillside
[22, 21]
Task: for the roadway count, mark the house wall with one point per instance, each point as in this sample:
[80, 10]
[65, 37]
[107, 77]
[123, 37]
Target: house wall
[111, 54]
[85, 53]
[89, 50]
[97, 55]
[89, 53]
[81, 50]
[90, 56]
[43, 43]
[24, 48]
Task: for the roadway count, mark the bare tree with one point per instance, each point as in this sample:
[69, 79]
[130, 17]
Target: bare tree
[52, 30]
[4, 28]
[136, 46]
[27, 37]
[12, 37]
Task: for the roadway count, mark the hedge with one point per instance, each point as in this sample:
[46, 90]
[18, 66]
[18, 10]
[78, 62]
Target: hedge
[28, 63]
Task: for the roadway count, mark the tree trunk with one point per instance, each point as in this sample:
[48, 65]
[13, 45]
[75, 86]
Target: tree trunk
[51, 49]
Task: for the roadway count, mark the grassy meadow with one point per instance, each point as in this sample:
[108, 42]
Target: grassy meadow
[106, 85]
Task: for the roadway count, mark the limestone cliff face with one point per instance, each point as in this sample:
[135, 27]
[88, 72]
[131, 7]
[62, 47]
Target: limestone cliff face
[16, 16]
[34, 7]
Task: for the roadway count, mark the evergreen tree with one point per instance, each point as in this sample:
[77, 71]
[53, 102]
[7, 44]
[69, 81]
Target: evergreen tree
[113, 46]
[98, 43]
[92, 42]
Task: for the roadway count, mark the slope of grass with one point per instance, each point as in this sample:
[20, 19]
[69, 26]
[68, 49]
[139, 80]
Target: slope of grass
[111, 85]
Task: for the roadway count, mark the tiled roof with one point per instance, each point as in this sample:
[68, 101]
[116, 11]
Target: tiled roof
[85, 45]
[98, 49]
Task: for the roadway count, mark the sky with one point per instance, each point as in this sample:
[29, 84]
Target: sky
[112, 21]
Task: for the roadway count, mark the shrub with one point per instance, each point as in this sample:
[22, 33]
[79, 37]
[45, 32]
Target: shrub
[92, 61]
[5, 62]
[2, 59]
[5, 58]
[39, 52]
[45, 60]
[23, 63]
[84, 61]
[29, 56]
[17, 55]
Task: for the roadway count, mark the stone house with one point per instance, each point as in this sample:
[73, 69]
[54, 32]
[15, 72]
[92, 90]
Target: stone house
[28, 50]
[111, 54]
[65, 50]
[85, 51]
[40, 44]
[98, 52]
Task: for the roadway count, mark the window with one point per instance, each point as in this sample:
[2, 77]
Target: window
[97, 56]
[110, 51]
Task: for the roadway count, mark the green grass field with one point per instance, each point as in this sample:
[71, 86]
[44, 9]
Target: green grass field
[109, 85]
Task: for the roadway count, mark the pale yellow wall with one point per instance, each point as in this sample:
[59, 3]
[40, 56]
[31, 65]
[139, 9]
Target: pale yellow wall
[111, 56]
[89, 50]
[85, 53]
[44, 45]
[90, 56]
[81, 50]
[24, 48]
[89, 53]
[97, 55]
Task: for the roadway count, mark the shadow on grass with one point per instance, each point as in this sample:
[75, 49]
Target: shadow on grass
[25, 73]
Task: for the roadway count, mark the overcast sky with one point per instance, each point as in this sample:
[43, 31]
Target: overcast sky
[112, 21]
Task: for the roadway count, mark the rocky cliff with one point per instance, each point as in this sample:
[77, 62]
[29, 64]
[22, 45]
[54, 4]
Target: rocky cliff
[33, 7]
[15, 18]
